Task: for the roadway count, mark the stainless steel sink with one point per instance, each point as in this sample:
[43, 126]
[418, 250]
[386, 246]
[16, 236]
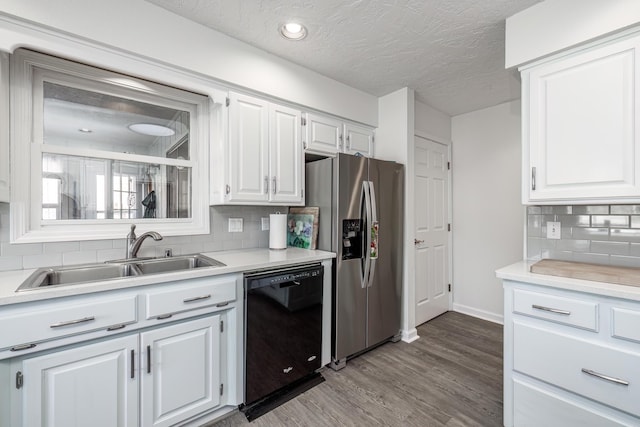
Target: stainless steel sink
[61, 276]
[58, 276]
[185, 262]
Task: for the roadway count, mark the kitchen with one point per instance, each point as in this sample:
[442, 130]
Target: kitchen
[476, 220]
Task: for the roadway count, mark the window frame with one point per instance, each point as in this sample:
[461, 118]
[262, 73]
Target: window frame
[29, 70]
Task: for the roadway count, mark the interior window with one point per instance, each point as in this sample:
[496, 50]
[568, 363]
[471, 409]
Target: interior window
[112, 148]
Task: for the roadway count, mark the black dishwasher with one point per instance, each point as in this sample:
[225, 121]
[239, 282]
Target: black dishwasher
[283, 335]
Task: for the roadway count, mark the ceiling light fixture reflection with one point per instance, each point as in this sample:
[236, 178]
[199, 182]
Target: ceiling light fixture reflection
[293, 31]
[151, 129]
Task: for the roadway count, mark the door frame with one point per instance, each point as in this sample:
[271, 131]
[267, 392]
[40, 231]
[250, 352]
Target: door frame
[409, 331]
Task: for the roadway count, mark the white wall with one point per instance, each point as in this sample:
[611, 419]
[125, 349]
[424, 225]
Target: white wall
[488, 218]
[148, 31]
[432, 123]
[394, 141]
[553, 25]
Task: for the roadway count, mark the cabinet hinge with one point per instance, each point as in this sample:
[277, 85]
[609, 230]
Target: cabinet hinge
[303, 121]
[222, 326]
[19, 380]
[448, 227]
[448, 166]
[221, 389]
[228, 189]
[302, 193]
[227, 101]
[449, 287]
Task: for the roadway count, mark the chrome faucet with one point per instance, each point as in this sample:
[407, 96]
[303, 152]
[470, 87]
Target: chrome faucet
[134, 243]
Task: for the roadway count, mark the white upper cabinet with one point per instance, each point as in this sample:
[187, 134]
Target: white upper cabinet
[358, 139]
[265, 160]
[580, 125]
[323, 134]
[326, 135]
[285, 155]
[249, 149]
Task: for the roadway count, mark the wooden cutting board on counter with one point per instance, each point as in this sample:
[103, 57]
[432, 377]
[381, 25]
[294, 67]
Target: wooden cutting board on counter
[596, 272]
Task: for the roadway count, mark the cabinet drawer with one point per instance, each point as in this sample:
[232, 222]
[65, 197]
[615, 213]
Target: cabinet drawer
[604, 374]
[625, 324]
[184, 297]
[558, 410]
[66, 318]
[572, 312]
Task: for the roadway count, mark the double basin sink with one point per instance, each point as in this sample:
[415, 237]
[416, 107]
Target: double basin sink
[60, 276]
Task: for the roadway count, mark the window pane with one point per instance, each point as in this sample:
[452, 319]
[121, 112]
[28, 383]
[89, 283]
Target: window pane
[89, 188]
[81, 118]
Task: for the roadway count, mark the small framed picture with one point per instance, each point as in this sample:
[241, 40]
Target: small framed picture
[302, 227]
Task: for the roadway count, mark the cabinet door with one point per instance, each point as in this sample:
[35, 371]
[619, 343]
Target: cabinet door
[4, 127]
[358, 139]
[581, 124]
[249, 149]
[93, 385]
[286, 156]
[181, 375]
[323, 134]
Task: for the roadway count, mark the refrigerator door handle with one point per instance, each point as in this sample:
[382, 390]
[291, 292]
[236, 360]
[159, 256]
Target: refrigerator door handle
[365, 230]
[372, 250]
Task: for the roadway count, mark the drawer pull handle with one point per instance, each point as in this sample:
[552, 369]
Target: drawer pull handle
[605, 377]
[165, 316]
[197, 298]
[222, 304]
[115, 328]
[551, 310]
[72, 322]
[22, 347]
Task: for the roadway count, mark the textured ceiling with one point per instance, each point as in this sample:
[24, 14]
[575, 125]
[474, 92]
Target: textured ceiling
[451, 52]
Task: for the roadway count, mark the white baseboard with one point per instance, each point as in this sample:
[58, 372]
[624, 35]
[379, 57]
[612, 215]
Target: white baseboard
[481, 314]
[410, 335]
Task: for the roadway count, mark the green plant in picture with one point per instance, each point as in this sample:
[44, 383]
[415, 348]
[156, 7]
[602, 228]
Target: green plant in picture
[299, 230]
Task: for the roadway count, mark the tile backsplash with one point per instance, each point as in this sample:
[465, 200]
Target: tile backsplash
[601, 234]
[34, 255]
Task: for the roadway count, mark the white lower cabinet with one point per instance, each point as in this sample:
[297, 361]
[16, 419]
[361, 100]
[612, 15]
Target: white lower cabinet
[92, 385]
[157, 378]
[181, 375]
[570, 358]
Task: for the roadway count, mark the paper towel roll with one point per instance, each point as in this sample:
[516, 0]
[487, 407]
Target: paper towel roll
[278, 231]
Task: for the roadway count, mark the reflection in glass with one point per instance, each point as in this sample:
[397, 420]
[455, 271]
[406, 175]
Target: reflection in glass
[75, 187]
[81, 118]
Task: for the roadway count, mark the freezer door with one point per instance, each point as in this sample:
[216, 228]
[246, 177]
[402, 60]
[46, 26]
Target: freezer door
[385, 284]
[350, 292]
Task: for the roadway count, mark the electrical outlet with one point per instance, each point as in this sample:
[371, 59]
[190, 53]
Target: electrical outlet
[235, 225]
[553, 230]
[265, 224]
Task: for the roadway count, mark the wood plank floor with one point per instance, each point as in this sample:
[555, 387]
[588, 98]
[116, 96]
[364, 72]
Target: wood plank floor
[451, 376]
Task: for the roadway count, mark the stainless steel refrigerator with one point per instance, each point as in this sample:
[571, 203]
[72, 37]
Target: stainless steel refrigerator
[361, 205]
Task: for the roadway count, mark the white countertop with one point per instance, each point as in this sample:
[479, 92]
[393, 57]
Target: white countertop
[235, 261]
[520, 272]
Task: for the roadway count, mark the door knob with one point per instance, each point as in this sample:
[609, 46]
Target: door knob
[417, 242]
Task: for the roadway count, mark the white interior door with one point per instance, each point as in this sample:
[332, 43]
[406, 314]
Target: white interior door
[431, 228]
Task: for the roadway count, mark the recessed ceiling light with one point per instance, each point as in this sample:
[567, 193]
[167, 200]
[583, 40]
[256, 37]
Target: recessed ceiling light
[85, 130]
[151, 129]
[293, 31]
